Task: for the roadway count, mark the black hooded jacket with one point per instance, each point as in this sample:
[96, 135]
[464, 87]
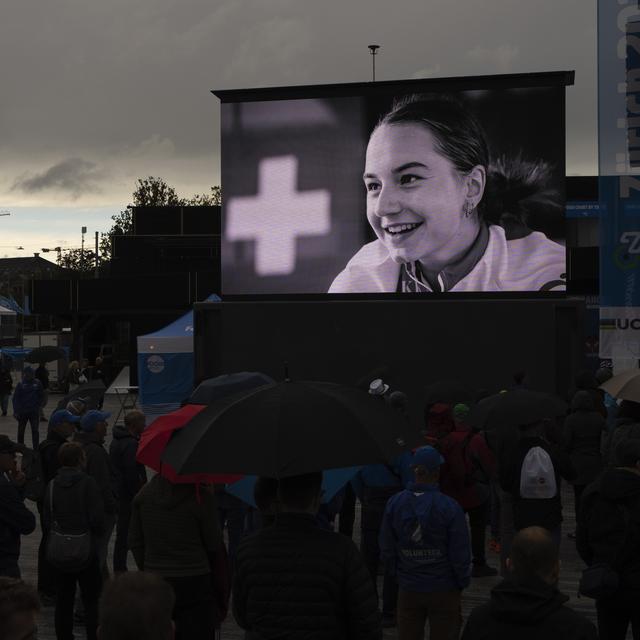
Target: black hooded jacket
[130, 474]
[582, 438]
[77, 504]
[527, 611]
[609, 525]
[15, 520]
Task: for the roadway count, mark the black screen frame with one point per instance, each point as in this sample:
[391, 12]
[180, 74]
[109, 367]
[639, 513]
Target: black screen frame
[557, 79]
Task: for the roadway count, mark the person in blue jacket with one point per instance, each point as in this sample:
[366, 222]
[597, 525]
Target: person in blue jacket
[424, 541]
[27, 401]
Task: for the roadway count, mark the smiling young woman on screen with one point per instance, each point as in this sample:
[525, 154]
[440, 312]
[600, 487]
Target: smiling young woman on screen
[446, 218]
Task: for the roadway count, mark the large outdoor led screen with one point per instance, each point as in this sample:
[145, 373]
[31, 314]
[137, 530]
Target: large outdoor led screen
[410, 187]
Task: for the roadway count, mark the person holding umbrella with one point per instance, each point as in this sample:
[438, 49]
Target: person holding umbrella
[294, 579]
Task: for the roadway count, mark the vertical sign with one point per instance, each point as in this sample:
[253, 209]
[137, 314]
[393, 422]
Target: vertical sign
[619, 162]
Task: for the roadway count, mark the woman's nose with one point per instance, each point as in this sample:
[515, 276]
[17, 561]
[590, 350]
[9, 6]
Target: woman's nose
[387, 202]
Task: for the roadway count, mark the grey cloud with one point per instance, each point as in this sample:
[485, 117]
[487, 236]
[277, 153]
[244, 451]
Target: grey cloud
[90, 84]
[73, 176]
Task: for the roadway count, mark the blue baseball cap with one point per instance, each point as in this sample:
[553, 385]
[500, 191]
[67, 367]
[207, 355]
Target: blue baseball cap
[427, 457]
[62, 415]
[90, 419]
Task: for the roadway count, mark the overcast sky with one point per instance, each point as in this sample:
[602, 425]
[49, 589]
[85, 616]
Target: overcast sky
[95, 94]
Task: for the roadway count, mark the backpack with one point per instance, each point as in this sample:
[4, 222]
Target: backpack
[537, 475]
[35, 483]
[67, 552]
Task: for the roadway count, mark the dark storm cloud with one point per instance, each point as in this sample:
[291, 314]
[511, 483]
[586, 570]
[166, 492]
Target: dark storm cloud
[79, 79]
[73, 176]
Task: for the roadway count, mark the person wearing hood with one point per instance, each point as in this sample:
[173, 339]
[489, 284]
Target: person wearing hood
[74, 503]
[582, 436]
[527, 605]
[93, 430]
[609, 534]
[27, 400]
[587, 381]
[62, 425]
[175, 532]
[130, 477]
[627, 427]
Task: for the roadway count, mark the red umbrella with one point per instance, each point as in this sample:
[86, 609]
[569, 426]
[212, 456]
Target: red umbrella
[155, 438]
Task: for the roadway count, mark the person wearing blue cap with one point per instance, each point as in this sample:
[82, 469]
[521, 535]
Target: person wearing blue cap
[424, 541]
[62, 425]
[93, 430]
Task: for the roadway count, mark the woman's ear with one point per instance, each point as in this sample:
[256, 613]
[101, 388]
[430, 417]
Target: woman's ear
[476, 181]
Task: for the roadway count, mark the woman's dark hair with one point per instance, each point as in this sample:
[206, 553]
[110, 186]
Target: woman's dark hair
[517, 190]
[70, 454]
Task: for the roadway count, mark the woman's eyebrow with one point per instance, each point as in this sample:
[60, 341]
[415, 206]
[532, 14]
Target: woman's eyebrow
[409, 165]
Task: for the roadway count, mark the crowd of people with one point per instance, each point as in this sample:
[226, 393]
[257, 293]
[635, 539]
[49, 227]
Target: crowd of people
[290, 567]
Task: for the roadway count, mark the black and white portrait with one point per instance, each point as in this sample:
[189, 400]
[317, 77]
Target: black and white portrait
[420, 192]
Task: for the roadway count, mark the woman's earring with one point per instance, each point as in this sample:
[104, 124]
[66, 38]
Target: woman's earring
[468, 209]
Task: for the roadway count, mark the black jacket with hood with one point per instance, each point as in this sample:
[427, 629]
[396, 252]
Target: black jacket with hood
[527, 611]
[15, 520]
[130, 474]
[99, 468]
[174, 529]
[77, 503]
[609, 526]
[582, 438]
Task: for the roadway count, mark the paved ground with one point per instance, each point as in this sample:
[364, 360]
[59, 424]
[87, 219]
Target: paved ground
[474, 595]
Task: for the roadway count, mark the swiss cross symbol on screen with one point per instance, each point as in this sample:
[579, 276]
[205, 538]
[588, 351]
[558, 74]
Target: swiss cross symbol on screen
[277, 215]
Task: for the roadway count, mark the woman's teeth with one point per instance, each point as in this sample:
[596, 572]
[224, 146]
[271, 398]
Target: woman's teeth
[402, 228]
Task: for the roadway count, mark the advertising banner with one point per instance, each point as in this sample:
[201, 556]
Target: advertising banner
[619, 183]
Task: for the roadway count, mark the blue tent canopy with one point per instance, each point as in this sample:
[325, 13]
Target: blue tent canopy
[165, 365]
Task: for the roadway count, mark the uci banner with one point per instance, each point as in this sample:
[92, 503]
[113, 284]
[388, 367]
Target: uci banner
[619, 183]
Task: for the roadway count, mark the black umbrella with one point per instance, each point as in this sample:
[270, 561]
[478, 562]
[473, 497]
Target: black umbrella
[45, 354]
[213, 389]
[290, 428]
[515, 407]
[91, 393]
